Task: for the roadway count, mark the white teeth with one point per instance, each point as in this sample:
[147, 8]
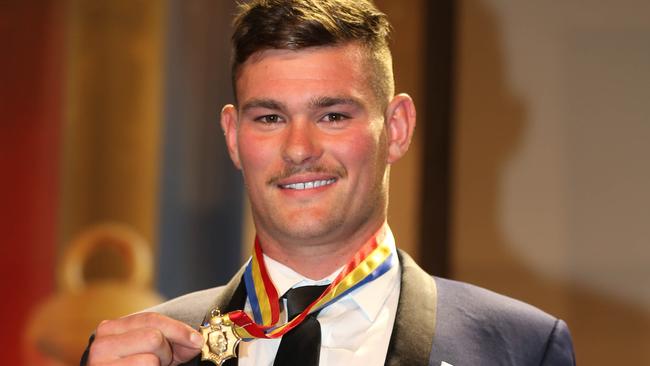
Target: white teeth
[309, 185]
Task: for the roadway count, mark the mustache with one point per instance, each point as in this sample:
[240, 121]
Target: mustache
[289, 171]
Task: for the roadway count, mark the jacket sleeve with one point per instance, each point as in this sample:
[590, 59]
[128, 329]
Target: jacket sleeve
[559, 347]
[84, 357]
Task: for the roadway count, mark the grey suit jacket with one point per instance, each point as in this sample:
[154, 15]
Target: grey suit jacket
[437, 321]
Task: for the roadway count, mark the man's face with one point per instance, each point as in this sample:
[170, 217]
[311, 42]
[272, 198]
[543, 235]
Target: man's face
[311, 141]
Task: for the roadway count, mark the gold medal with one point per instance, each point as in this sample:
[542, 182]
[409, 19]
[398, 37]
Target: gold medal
[220, 339]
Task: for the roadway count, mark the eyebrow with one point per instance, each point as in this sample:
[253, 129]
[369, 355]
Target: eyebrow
[262, 103]
[315, 103]
[324, 102]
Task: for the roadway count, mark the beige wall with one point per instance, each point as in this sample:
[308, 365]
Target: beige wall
[550, 200]
[112, 126]
[111, 132]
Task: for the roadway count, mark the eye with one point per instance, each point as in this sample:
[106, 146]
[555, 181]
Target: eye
[269, 119]
[334, 117]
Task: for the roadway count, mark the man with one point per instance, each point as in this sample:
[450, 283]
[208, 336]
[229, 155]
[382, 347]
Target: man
[314, 131]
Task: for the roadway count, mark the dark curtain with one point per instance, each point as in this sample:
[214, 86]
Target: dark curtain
[201, 191]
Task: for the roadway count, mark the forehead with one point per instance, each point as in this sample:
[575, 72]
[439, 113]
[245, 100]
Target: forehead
[341, 70]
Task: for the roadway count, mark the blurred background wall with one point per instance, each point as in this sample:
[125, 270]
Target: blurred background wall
[527, 175]
[550, 154]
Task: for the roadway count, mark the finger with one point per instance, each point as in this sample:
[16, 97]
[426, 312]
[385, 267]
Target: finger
[110, 348]
[183, 354]
[142, 359]
[176, 332]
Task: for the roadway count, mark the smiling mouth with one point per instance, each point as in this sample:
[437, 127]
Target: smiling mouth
[308, 185]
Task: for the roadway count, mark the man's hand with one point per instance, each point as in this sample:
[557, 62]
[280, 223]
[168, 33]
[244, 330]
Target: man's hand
[144, 339]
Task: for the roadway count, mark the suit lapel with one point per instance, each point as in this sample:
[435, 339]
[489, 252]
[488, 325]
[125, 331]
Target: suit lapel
[232, 297]
[412, 338]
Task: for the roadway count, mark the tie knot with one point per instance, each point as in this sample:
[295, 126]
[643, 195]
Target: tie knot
[300, 297]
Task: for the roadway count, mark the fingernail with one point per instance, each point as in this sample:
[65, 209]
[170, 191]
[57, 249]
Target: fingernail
[196, 339]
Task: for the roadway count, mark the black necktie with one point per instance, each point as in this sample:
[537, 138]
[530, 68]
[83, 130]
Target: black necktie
[301, 345]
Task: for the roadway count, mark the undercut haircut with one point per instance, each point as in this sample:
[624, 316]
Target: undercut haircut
[298, 24]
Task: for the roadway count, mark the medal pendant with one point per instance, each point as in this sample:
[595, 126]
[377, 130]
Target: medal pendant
[219, 339]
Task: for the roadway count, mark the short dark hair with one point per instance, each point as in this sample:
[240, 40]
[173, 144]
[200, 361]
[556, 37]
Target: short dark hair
[297, 24]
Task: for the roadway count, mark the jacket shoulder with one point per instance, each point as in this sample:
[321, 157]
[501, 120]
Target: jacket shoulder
[497, 327]
[190, 308]
[487, 305]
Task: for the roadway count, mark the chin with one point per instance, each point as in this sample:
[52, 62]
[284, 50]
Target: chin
[310, 228]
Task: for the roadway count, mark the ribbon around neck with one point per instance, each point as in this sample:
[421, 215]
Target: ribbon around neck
[372, 260]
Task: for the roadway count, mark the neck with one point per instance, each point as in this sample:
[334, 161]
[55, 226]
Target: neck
[317, 260]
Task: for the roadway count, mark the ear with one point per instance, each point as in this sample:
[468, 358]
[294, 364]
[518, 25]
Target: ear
[229, 126]
[400, 123]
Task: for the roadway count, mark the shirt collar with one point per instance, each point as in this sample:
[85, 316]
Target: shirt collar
[369, 298]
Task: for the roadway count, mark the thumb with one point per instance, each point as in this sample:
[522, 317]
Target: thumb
[182, 352]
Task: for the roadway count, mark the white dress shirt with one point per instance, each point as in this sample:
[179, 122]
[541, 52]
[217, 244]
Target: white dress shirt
[355, 329]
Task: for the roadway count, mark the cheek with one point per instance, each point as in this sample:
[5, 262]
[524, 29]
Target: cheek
[255, 154]
[361, 152]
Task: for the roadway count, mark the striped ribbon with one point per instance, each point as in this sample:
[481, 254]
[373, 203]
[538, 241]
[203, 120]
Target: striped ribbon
[371, 261]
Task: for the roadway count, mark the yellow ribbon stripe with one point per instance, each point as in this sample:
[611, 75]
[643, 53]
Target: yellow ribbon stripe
[262, 297]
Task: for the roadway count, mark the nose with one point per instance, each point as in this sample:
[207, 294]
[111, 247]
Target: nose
[301, 144]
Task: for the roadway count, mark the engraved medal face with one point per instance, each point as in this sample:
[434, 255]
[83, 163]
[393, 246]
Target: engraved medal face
[219, 339]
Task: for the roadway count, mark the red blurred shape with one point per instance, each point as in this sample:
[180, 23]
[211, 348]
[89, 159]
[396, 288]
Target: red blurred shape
[31, 78]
